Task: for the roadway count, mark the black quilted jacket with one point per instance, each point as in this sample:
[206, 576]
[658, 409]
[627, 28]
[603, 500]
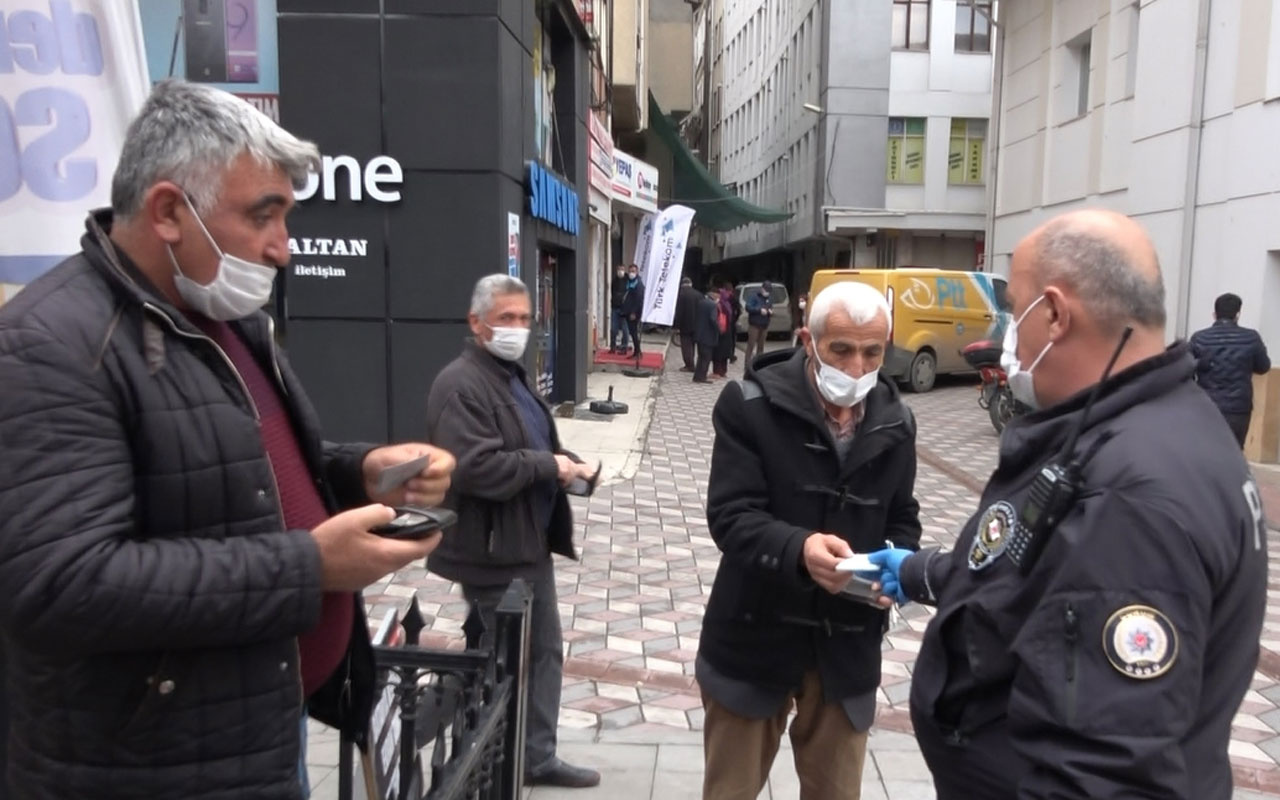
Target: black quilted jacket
[1227, 356]
[149, 599]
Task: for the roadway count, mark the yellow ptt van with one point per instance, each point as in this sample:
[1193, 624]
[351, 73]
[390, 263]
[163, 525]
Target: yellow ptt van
[936, 312]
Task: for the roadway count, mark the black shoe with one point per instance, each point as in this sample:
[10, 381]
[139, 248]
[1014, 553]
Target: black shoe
[686, 369]
[558, 773]
[702, 380]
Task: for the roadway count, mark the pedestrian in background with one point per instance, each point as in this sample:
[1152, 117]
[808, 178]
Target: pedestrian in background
[686, 318]
[618, 335]
[509, 493]
[182, 555]
[706, 334]
[759, 315]
[1114, 664]
[1228, 355]
[727, 341]
[633, 306]
[814, 459]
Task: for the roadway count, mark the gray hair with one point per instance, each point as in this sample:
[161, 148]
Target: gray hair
[1109, 280]
[861, 301]
[490, 287]
[190, 134]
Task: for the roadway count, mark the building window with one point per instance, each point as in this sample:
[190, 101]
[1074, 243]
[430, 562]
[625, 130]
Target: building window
[973, 26]
[906, 150]
[1081, 51]
[968, 147]
[1131, 58]
[911, 24]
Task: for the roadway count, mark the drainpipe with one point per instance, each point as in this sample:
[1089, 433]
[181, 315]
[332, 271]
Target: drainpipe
[993, 160]
[1182, 320]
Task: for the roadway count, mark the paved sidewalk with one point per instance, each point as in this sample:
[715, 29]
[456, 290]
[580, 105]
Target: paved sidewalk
[632, 608]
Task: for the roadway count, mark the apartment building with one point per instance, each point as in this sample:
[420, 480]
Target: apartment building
[866, 120]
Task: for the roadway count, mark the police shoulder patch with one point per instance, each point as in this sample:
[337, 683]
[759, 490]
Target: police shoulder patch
[1140, 642]
[994, 527]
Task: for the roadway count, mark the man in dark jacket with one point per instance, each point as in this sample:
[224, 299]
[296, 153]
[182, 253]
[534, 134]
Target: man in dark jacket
[509, 492]
[1113, 664]
[814, 459]
[1227, 357]
[618, 320]
[176, 578]
[706, 334]
[686, 320]
[633, 306]
[759, 315]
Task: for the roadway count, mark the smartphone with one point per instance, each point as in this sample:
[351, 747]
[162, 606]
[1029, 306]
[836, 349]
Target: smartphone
[584, 487]
[242, 41]
[416, 523]
[204, 29]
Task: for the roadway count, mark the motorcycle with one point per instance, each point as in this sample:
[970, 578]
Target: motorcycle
[994, 394]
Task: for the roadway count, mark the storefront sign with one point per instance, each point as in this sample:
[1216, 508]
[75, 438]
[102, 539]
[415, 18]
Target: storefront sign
[635, 182]
[379, 171]
[71, 77]
[552, 200]
[600, 151]
[324, 246]
[513, 244]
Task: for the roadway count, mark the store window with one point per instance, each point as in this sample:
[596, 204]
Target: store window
[906, 150]
[966, 156]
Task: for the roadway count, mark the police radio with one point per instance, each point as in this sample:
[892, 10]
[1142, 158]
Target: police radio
[1056, 487]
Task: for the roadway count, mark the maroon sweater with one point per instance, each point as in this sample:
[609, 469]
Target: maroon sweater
[321, 648]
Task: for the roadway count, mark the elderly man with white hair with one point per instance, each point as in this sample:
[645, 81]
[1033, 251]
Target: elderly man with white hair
[814, 461]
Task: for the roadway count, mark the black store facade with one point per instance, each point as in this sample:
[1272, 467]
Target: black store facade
[448, 156]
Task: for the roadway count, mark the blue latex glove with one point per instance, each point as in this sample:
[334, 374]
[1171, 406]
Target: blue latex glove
[890, 563]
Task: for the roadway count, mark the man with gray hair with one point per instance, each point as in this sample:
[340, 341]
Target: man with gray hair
[1098, 619]
[180, 581]
[814, 460]
[510, 494]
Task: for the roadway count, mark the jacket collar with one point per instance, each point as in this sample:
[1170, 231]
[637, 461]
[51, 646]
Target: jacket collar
[133, 287]
[1028, 439]
[490, 365]
[783, 377]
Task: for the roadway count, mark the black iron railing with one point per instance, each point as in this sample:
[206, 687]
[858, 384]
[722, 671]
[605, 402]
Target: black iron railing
[464, 709]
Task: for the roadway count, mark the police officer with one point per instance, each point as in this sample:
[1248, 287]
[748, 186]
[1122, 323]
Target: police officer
[1114, 665]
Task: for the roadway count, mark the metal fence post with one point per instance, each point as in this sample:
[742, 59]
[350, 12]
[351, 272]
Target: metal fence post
[511, 649]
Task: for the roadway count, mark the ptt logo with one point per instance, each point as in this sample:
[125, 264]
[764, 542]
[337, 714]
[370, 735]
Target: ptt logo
[918, 295]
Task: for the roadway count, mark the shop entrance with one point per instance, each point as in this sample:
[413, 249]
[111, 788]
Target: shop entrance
[544, 322]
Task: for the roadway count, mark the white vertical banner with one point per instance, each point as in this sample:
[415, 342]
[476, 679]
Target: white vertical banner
[665, 264]
[644, 243]
[67, 93]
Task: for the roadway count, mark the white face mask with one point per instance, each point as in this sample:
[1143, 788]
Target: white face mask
[237, 290]
[840, 389]
[1021, 384]
[507, 343]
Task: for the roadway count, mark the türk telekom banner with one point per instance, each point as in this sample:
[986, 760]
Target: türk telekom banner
[72, 75]
[665, 263]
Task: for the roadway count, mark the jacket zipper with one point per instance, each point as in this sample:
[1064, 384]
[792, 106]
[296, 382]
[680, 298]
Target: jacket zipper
[244, 387]
[1071, 631]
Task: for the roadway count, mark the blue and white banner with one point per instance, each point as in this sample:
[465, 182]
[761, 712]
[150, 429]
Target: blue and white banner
[73, 73]
[665, 263]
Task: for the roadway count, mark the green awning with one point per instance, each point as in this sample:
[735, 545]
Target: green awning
[717, 207]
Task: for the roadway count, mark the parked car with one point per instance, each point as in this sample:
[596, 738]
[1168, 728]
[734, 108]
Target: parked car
[780, 322]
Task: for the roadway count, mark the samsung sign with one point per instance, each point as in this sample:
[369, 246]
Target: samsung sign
[552, 200]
